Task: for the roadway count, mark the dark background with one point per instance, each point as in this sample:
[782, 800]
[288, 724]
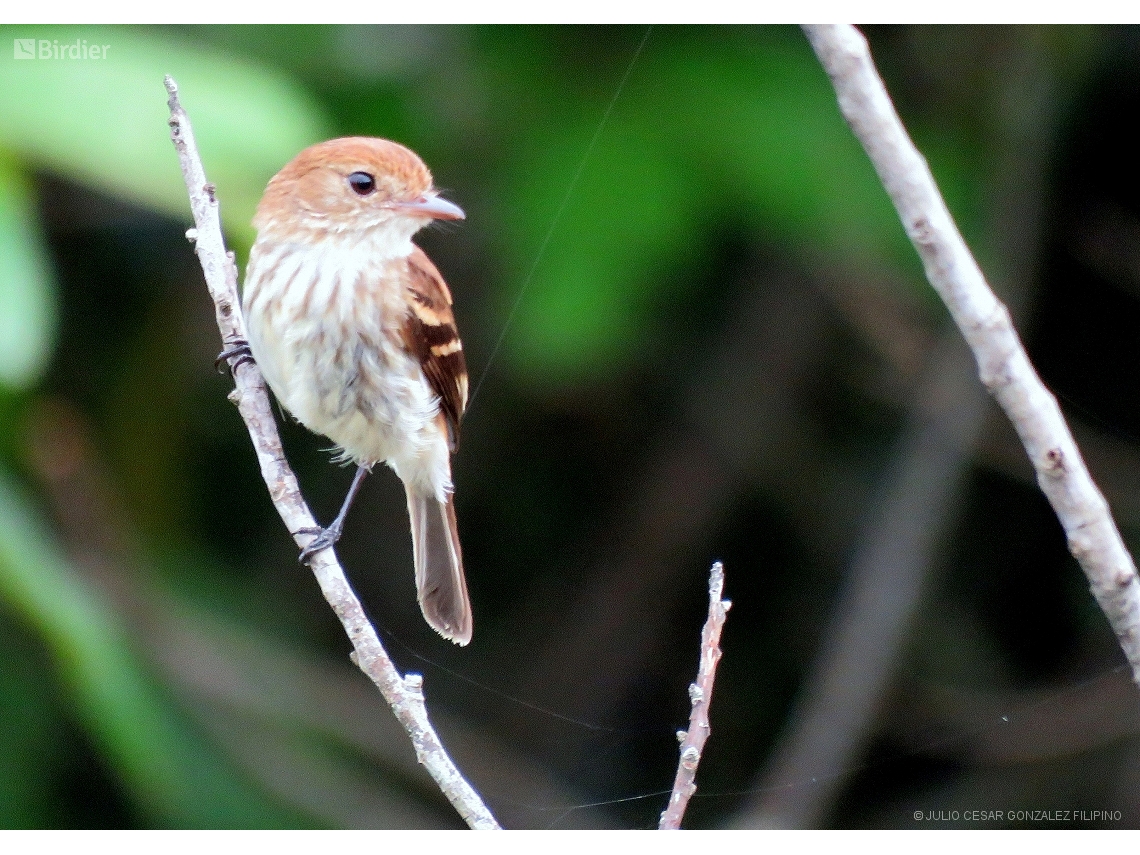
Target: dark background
[718, 345]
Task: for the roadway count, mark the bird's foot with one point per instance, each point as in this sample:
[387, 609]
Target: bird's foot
[240, 349]
[324, 539]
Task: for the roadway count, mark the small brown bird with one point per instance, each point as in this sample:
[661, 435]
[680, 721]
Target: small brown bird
[352, 327]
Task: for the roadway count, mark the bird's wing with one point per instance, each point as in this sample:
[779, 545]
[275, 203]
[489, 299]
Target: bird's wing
[430, 333]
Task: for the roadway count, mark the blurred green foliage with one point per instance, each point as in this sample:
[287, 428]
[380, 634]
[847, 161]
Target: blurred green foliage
[718, 124]
[95, 120]
[724, 122]
[164, 765]
[27, 290]
[614, 224]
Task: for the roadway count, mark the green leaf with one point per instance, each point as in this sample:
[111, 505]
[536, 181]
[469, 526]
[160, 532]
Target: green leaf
[104, 121]
[28, 310]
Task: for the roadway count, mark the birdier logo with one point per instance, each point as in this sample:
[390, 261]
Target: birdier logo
[52, 49]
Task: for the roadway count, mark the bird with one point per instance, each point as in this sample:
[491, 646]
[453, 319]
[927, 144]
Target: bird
[353, 329]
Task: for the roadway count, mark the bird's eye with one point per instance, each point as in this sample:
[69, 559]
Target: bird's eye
[362, 183]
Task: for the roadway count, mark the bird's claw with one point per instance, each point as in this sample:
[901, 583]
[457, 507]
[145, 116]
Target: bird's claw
[325, 538]
[240, 349]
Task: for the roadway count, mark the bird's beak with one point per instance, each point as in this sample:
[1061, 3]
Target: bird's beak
[431, 205]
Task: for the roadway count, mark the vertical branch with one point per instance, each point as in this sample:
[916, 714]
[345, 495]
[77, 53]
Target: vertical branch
[985, 323]
[404, 694]
[700, 693]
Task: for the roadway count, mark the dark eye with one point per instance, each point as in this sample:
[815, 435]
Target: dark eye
[362, 183]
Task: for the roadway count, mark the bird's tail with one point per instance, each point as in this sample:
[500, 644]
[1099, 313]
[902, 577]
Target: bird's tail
[439, 567]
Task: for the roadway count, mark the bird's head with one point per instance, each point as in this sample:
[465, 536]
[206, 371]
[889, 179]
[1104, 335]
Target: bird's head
[352, 184]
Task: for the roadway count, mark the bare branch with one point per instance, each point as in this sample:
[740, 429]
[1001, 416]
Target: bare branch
[1003, 365]
[403, 694]
[700, 693]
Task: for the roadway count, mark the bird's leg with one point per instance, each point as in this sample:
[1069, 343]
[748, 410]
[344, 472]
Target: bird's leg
[240, 349]
[326, 537]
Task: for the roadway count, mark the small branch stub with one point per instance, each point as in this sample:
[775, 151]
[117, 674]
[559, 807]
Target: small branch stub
[700, 695]
[404, 696]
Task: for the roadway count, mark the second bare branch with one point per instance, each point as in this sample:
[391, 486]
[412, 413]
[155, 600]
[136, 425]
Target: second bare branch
[700, 694]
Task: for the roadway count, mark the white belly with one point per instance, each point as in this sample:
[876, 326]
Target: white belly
[329, 347]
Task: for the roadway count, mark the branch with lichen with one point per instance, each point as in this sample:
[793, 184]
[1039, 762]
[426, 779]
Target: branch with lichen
[404, 694]
[700, 695]
[1003, 364]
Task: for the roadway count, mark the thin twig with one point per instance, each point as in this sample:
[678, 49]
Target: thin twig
[403, 694]
[700, 694]
[1003, 365]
